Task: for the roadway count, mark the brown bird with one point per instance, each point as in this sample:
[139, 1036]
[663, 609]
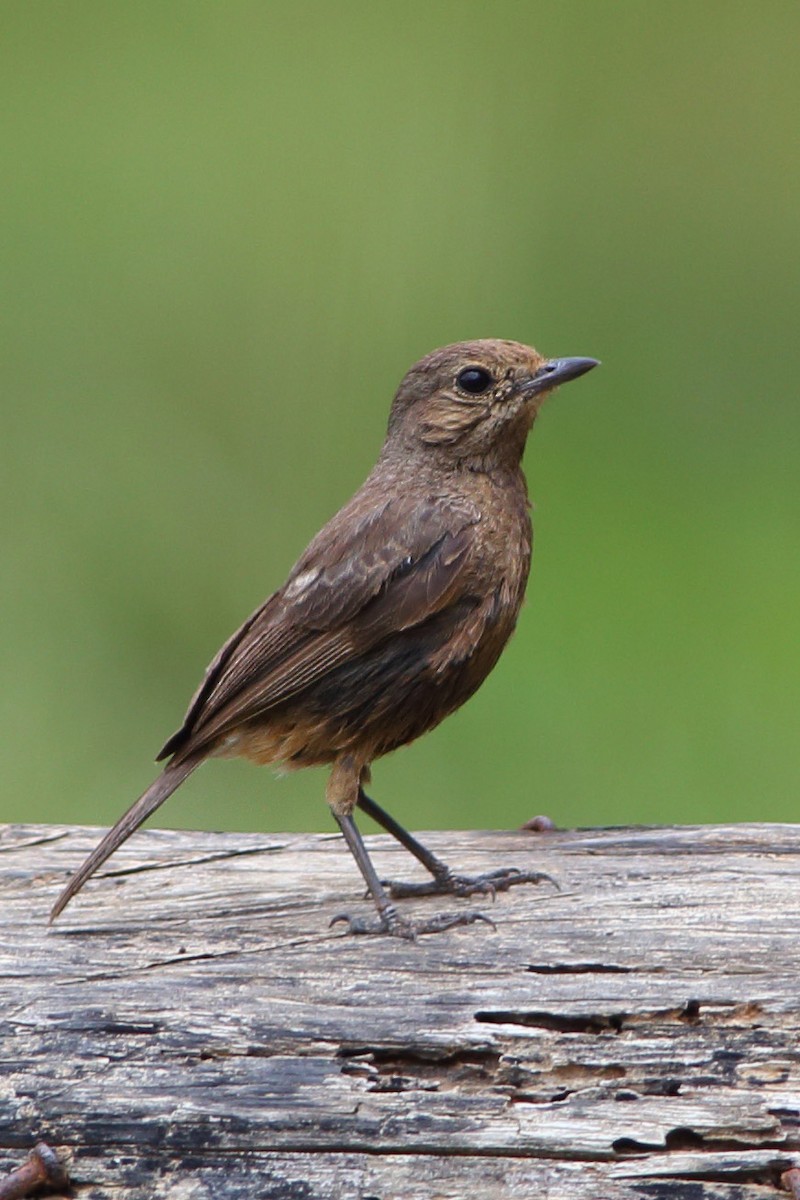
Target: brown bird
[391, 619]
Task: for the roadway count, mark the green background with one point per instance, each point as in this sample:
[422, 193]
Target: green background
[228, 228]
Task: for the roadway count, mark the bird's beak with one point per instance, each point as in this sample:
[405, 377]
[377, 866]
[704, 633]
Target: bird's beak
[556, 371]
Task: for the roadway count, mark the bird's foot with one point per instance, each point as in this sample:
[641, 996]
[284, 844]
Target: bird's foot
[447, 883]
[391, 923]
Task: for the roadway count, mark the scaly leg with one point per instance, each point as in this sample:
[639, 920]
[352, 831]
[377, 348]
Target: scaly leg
[342, 793]
[444, 880]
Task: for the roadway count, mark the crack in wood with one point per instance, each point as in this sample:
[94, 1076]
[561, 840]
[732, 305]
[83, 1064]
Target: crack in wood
[192, 861]
[727, 1012]
[682, 1139]
[578, 968]
[557, 1022]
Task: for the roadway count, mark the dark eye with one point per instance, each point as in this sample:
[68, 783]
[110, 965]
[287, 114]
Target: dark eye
[475, 380]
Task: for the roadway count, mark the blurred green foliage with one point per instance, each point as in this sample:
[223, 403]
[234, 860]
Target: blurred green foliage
[228, 228]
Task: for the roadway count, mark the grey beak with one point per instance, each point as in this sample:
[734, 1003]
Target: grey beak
[556, 371]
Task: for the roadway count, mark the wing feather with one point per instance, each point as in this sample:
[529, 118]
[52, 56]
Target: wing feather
[357, 583]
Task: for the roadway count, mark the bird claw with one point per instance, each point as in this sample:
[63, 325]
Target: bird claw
[393, 925]
[488, 884]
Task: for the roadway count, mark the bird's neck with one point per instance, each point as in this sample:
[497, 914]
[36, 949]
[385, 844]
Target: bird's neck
[441, 468]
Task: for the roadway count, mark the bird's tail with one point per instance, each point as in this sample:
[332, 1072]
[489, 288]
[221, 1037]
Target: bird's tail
[170, 778]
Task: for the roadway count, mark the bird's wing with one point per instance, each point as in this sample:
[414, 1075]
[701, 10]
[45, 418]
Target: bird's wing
[359, 581]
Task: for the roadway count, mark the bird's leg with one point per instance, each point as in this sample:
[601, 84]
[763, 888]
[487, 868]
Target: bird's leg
[444, 880]
[342, 794]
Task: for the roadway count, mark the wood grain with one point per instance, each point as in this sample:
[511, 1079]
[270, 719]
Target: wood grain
[193, 1028]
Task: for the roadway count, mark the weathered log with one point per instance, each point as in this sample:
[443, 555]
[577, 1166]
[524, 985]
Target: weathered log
[192, 1027]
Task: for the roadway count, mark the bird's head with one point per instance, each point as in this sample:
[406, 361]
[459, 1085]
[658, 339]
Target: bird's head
[477, 400]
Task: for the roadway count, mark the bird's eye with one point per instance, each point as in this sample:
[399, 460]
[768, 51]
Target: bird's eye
[475, 380]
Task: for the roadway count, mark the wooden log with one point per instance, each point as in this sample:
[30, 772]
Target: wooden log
[193, 1028]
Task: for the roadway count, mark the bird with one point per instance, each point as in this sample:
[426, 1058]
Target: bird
[389, 621]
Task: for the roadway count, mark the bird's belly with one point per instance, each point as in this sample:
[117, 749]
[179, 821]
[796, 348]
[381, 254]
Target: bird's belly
[376, 702]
